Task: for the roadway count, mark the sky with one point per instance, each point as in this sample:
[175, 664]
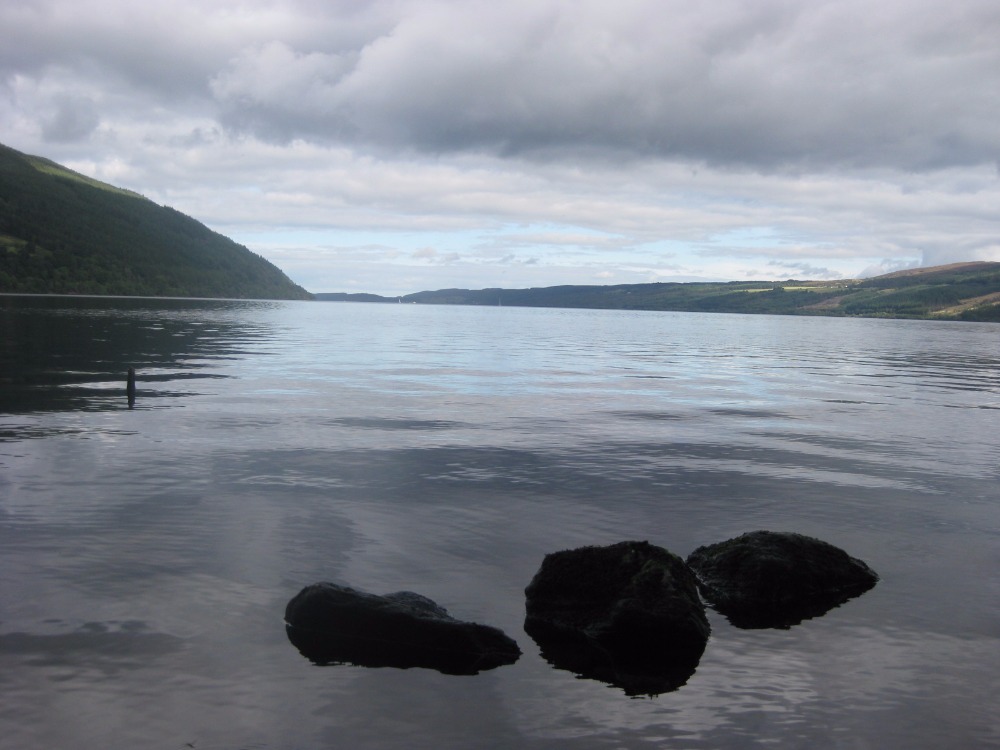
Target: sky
[394, 146]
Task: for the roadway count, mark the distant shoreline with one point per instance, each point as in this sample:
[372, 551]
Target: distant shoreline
[958, 291]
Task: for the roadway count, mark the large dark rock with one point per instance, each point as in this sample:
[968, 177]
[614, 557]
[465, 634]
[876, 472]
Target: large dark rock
[627, 614]
[773, 579]
[332, 624]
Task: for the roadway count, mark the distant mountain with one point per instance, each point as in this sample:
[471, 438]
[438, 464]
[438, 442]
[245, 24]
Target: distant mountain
[960, 291]
[64, 233]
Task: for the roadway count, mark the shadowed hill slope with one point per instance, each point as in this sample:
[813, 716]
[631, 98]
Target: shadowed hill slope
[64, 233]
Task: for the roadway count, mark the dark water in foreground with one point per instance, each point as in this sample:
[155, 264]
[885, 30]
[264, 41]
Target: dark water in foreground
[146, 555]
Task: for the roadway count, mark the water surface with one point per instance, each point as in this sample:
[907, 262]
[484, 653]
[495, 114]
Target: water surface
[147, 554]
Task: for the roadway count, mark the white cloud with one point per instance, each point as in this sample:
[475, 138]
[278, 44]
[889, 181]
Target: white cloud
[548, 141]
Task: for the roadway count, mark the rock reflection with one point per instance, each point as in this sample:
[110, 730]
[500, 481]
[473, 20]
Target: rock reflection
[639, 672]
[781, 617]
[324, 650]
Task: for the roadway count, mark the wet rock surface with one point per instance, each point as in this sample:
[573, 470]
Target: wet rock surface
[776, 579]
[627, 614]
[333, 624]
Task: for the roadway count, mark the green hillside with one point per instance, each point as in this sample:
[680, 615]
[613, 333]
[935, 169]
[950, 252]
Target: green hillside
[64, 233]
[961, 291]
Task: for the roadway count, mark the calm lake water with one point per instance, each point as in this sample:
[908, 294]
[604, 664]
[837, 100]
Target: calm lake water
[147, 554]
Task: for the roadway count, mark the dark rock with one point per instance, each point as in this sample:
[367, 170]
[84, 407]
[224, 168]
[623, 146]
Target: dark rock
[772, 579]
[627, 614]
[332, 624]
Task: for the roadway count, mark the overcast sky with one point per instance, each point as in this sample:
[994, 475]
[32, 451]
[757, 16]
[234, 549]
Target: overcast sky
[393, 146]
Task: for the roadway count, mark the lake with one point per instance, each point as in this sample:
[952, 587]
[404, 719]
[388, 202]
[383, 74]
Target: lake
[147, 554]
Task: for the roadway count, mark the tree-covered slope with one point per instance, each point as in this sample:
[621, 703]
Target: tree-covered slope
[961, 291]
[64, 233]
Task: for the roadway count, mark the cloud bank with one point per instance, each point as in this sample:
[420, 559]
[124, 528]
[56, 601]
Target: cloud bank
[393, 143]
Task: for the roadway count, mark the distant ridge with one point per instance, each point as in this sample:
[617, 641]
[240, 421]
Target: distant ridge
[62, 232]
[928, 271]
[957, 291]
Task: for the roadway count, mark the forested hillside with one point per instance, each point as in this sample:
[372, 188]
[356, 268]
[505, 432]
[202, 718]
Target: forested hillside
[64, 233]
[961, 291]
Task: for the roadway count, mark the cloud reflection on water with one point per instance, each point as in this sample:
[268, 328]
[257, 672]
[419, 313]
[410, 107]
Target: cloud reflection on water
[340, 453]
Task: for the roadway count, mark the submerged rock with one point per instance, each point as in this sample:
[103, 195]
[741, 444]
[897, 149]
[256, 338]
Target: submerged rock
[627, 614]
[332, 624]
[772, 579]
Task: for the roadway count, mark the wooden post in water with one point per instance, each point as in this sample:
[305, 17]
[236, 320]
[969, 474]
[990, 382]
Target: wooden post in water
[130, 387]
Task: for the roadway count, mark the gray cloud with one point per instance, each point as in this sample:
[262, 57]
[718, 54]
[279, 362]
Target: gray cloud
[74, 119]
[769, 84]
[652, 138]
[763, 84]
